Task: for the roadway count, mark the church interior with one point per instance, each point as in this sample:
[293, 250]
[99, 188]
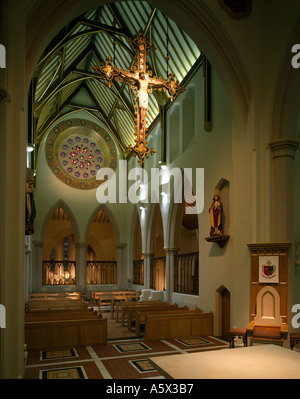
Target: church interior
[150, 183]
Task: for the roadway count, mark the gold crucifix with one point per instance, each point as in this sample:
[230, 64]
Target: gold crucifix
[140, 79]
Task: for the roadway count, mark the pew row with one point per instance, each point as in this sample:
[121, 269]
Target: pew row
[124, 309]
[141, 315]
[60, 304]
[65, 331]
[116, 310]
[126, 295]
[132, 311]
[180, 325]
[53, 295]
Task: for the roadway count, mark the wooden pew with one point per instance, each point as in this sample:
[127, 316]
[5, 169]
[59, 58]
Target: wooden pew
[110, 298]
[53, 295]
[44, 305]
[61, 315]
[132, 311]
[141, 315]
[126, 294]
[61, 332]
[180, 325]
[118, 306]
[122, 309]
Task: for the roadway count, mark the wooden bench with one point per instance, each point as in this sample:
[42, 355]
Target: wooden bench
[294, 339]
[180, 325]
[53, 295]
[60, 333]
[125, 294]
[141, 315]
[125, 306]
[61, 315]
[118, 307]
[132, 311]
[44, 305]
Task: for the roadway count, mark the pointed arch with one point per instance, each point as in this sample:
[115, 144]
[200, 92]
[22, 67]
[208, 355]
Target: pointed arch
[286, 102]
[153, 213]
[112, 220]
[69, 213]
[46, 18]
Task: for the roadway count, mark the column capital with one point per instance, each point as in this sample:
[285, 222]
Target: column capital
[38, 243]
[148, 254]
[79, 245]
[171, 251]
[285, 147]
[121, 246]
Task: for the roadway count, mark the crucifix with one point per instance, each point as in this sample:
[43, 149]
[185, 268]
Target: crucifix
[140, 79]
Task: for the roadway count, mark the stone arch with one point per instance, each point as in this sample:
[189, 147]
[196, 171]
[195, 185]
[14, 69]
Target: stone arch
[112, 219]
[153, 211]
[45, 19]
[136, 223]
[286, 103]
[69, 213]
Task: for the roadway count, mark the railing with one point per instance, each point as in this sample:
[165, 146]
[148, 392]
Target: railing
[101, 272]
[158, 273]
[56, 272]
[186, 273]
[138, 272]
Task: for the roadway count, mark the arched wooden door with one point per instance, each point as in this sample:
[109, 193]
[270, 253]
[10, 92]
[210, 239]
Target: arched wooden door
[225, 313]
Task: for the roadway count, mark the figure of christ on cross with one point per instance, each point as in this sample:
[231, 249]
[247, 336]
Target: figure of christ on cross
[143, 81]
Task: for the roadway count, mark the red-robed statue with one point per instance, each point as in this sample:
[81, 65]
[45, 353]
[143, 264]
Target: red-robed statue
[215, 212]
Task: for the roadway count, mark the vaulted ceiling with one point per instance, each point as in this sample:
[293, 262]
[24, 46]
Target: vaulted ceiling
[64, 80]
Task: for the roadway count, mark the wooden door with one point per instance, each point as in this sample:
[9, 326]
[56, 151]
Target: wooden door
[225, 313]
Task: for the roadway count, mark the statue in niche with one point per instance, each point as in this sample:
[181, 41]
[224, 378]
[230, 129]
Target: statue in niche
[30, 211]
[215, 211]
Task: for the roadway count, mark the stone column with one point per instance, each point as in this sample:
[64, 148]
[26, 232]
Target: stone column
[121, 267]
[283, 151]
[81, 271]
[37, 274]
[12, 198]
[170, 262]
[147, 269]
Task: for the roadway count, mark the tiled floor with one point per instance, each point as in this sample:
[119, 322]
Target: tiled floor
[121, 358]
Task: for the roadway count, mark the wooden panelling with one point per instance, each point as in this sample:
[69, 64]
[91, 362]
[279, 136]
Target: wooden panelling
[168, 326]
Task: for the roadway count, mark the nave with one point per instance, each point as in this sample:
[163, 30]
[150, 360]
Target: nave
[123, 357]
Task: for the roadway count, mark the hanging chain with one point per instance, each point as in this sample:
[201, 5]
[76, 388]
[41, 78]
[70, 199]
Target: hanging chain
[114, 42]
[167, 39]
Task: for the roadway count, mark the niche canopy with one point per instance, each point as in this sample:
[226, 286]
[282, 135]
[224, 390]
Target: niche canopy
[76, 149]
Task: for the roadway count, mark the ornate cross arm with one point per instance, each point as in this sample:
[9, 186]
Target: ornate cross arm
[140, 79]
[107, 71]
[173, 87]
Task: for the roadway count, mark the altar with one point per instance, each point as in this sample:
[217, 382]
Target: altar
[253, 362]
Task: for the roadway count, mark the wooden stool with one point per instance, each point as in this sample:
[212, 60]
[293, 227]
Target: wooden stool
[237, 332]
[294, 339]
